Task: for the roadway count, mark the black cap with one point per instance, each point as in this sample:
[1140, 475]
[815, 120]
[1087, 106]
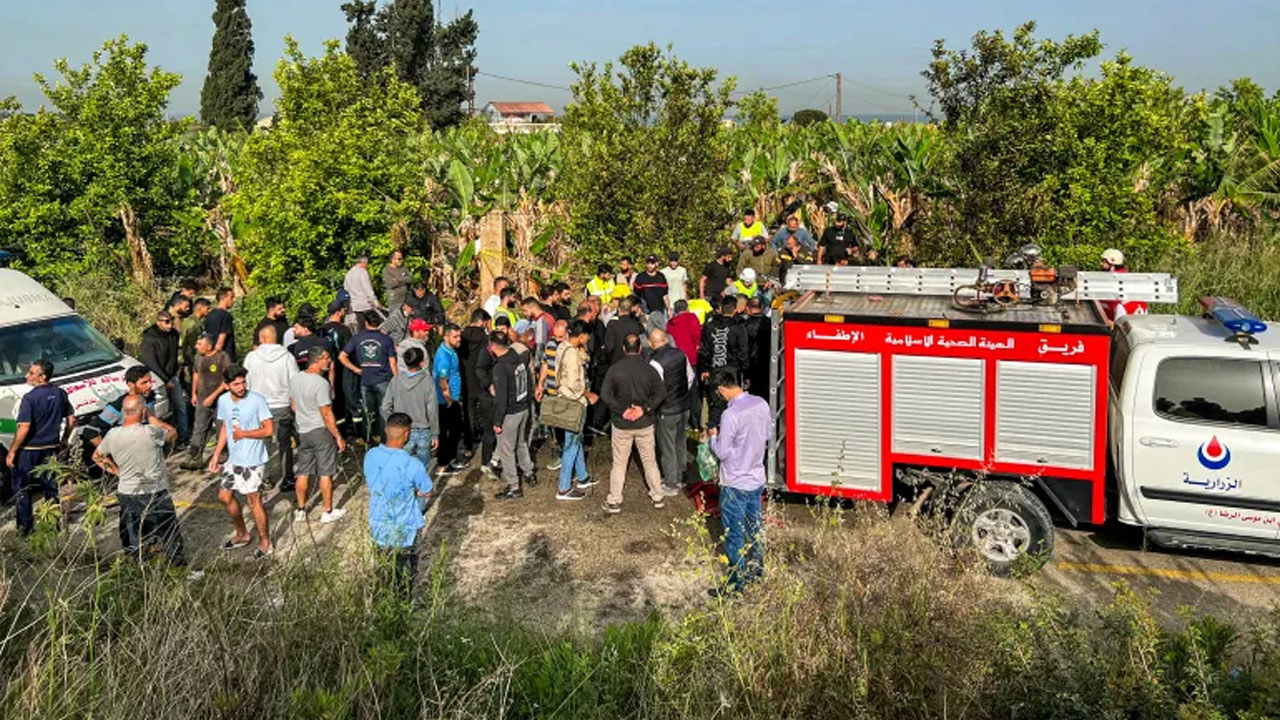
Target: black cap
[724, 250]
[749, 211]
[651, 259]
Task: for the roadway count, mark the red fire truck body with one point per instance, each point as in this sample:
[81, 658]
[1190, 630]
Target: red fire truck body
[874, 386]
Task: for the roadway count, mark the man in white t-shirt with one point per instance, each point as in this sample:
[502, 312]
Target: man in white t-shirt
[677, 279]
[491, 304]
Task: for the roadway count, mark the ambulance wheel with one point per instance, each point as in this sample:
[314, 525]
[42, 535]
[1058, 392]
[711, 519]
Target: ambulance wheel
[1006, 524]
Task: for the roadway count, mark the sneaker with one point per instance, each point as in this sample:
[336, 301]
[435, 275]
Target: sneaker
[195, 575]
[233, 544]
[531, 480]
[194, 463]
[510, 493]
[571, 494]
[491, 470]
[332, 515]
[611, 509]
[586, 482]
[554, 464]
[299, 516]
[597, 431]
[446, 471]
[458, 466]
[670, 491]
[658, 504]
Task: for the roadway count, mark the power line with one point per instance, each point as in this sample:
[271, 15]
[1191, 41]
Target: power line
[878, 90]
[523, 82]
[828, 76]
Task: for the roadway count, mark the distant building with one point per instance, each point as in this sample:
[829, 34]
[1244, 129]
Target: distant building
[517, 112]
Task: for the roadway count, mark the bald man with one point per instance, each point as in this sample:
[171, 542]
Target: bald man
[134, 453]
[673, 414]
[271, 367]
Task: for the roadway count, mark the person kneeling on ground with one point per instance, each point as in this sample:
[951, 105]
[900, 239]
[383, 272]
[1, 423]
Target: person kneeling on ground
[134, 452]
[396, 481]
[739, 442]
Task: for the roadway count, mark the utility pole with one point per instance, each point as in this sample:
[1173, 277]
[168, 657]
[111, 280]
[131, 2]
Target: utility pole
[471, 90]
[839, 98]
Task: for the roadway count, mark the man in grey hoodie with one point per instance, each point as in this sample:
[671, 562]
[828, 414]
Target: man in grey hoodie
[270, 368]
[413, 393]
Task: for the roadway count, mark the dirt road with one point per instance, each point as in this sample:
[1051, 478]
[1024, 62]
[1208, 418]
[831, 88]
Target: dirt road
[559, 563]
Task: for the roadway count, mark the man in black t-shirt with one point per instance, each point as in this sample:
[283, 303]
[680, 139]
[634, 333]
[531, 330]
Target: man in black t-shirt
[715, 277]
[651, 287]
[221, 325]
[346, 385]
[372, 356]
[275, 317]
[838, 243]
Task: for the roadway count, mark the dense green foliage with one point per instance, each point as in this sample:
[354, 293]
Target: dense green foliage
[644, 154]
[809, 116]
[1032, 144]
[434, 58]
[229, 99]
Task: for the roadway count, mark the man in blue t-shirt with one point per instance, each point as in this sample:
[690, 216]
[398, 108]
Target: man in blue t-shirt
[41, 417]
[372, 356]
[246, 425]
[398, 486]
[448, 375]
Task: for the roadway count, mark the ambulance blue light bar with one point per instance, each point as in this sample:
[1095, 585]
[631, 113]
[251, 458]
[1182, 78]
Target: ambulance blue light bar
[1232, 315]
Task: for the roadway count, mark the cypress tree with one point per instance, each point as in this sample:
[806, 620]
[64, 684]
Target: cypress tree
[432, 57]
[230, 96]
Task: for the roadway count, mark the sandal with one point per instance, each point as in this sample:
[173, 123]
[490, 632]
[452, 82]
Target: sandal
[232, 544]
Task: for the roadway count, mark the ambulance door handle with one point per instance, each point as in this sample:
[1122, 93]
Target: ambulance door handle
[1158, 442]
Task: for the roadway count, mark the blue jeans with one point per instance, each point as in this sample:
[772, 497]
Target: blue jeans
[743, 544]
[419, 446]
[573, 461]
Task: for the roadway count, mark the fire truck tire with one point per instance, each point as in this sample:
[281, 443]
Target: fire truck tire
[1006, 524]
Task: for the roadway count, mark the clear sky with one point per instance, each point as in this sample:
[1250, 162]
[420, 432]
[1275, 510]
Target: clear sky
[879, 47]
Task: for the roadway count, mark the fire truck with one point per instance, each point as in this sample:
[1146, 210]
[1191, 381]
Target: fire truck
[1011, 393]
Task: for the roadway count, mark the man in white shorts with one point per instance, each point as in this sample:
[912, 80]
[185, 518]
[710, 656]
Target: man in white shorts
[319, 442]
[246, 426]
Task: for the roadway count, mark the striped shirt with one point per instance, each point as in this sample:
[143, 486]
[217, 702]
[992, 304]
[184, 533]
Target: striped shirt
[549, 386]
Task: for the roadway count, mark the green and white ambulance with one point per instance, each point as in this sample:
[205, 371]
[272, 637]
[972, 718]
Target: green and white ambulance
[34, 324]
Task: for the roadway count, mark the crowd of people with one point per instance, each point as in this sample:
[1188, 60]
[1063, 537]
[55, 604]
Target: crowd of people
[641, 356]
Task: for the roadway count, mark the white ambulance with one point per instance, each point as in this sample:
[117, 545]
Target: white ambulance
[34, 324]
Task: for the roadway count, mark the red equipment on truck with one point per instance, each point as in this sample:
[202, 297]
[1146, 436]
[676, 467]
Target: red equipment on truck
[887, 378]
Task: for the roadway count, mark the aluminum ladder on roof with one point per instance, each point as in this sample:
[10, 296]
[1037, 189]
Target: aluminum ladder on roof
[1092, 285]
[777, 403]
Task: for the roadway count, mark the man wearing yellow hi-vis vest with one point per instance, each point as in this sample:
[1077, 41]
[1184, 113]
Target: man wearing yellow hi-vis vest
[602, 284]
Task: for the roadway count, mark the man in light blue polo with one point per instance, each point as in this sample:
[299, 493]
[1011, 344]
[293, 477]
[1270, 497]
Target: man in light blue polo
[739, 443]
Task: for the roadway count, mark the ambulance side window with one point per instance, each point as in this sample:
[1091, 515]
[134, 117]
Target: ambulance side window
[1213, 390]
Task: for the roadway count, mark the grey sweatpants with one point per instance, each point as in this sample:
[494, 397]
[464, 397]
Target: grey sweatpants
[513, 447]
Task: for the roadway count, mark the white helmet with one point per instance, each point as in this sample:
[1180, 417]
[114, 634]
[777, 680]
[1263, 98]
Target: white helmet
[1112, 256]
[748, 276]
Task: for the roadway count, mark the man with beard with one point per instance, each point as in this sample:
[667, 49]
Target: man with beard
[246, 426]
[838, 243]
[275, 318]
[475, 341]
[159, 352]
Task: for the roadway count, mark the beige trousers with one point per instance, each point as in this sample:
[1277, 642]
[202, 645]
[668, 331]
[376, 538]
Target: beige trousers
[644, 442]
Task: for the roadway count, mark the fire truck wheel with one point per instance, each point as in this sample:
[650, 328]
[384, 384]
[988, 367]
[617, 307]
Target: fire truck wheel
[1007, 524]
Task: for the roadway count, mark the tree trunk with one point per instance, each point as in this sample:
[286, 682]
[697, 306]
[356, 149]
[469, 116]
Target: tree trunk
[493, 246]
[144, 273]
[230, 263]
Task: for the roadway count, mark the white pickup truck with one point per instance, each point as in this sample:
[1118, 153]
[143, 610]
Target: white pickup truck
[884, 388]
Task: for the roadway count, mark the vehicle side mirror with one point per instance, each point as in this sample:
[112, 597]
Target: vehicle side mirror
[118, 342]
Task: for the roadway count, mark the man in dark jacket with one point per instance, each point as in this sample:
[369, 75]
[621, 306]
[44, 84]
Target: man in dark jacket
[758, 332]
[620, 327]
[475, 341]
[159, 352]
[633, 392]
[673, 416]
[512, 396]
[425, 304]
[724, 345]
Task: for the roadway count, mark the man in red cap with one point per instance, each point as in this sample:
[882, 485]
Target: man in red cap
[419, 330]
